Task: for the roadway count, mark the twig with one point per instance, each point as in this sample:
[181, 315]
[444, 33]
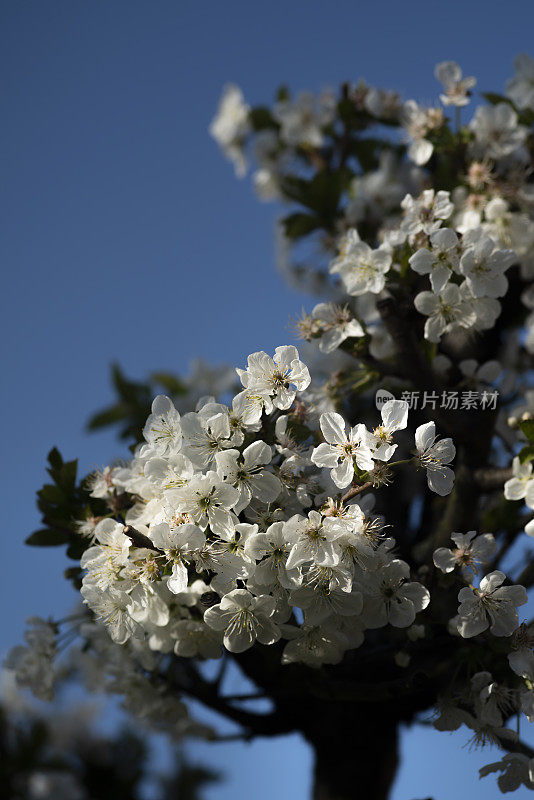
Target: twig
[140, 540]
[231, 698]
[355, 490]
[195, 686]
[491, 478]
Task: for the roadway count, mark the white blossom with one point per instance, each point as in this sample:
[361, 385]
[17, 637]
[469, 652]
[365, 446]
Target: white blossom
[163, 431]
[416, 122]
[490, 606]
[363, 269]
[179, 546]
[520, 88]
[342, 451]
[456, 87]
[112, 606]
[434, 455]
[425, 214]
[248, 474]
[195, 638]
[278, 378]
[303, 120]
[314, 540]
[390, 598]
[446, 311]
[337, 324]
[470, 551]
[231, 125]
[394, 418]
[484, 267]
[521, 485]
[208, 500]
[439, 262]
[497, 132]
[244, 618]
[205, 436]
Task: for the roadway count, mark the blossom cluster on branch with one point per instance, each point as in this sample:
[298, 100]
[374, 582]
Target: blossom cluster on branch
[294, 514]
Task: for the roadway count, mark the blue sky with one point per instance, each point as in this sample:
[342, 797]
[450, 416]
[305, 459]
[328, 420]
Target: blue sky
[126, 237]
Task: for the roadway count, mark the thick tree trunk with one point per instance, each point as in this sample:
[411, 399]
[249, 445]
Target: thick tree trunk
[356, 761]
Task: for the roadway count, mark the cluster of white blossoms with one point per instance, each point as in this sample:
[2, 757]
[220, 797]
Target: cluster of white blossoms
[464, 240]
[323, 572]
[233, 504]
[241, 531]
[521, 487]
[266, 520]
[251, 523]
[33, 662]
[466, 273]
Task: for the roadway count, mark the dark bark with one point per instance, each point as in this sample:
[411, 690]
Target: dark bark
[357, 761]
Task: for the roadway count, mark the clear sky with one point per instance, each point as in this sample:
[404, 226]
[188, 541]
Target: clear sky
[126, 237]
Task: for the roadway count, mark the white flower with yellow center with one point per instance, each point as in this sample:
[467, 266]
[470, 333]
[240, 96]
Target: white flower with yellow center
[363, 269]
[433, 455]
[457, 88]
[394, 418]
[244, 619]
[162, 430]
[490, 606]
[247, 473]
[278, 378]
[342, 450]
[180, 545]
[446, 311]
[208, 501]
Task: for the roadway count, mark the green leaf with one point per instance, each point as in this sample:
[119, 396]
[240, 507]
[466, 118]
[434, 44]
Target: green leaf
[321, 194]
[526, 454]
[298, 225]
[132, 408]
[261, 118]
[170, 382]
[367, 150]
[502, 517]
[54, 459]
[298, 431]
[74, 575]
[495, 99]
[51, 494]
[295, 188]
[76, 549]
[48, 537]
[527, 427]
[363, 380]
[282, 93]
[67, 475]
[108, 416]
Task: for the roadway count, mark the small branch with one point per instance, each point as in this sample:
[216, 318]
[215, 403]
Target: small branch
[510, 537]
[355, 490]
[140, 540]
[231, 698]
[195, 686]
[229, 737]
[526, 578]
[396, 319]
[221, 672]
[516, 746]
[507, 544]
[491, 478]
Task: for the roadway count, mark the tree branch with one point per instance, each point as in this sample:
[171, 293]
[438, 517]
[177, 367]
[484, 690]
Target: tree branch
[195, 686]
[491, 478]
[355, 490]
[140, 540]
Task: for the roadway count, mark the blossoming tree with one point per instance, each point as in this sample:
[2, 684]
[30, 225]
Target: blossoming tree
[348, 523]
